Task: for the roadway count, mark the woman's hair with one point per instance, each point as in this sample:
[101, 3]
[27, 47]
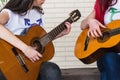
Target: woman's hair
[100, 7]
[20, 6]
[105, 4]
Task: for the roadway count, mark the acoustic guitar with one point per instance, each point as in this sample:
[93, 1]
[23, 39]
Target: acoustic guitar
[15, 66]
[88, 50]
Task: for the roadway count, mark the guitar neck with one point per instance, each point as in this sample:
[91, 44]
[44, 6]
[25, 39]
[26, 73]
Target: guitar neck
[114, 31]
[74, 16]
[56, 31]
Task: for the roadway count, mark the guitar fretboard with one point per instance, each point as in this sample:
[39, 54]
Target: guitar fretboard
[56, 31]
[114, 31]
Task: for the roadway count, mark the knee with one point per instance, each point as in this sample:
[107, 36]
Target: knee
[50, 68]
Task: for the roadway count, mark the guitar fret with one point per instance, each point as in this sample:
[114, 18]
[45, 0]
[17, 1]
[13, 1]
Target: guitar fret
[56, 31]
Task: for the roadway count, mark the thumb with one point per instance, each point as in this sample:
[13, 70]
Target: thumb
[101, 25]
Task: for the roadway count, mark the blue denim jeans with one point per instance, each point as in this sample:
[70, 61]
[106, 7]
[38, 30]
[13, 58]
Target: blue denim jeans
[49, 71]
[109, 66]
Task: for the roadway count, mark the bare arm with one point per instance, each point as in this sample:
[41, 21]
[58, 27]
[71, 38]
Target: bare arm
[8, 36]
[85, 22]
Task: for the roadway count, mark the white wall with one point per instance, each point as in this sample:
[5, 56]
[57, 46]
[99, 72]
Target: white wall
[57, 11]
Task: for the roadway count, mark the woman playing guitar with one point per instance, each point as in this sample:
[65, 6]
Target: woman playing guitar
[16, 17]
[105, 11]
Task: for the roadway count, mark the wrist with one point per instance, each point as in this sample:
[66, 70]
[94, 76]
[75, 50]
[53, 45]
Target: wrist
[25, 48]
[89, 20]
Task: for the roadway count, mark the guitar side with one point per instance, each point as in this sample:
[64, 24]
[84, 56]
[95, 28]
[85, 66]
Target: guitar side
[9, 64]
[95, 48]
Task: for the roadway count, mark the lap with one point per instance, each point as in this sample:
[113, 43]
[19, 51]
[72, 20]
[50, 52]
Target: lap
[109, 66]
[49, 71]
[110, 61]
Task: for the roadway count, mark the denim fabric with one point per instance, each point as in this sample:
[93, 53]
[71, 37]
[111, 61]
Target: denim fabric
[49, 71]
[109, 66]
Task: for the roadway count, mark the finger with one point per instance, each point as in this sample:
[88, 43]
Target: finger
[96, 34]
[88, 34]
[39, 55]
[32, 60]
[37, 58]
[68, 25]
[101, 25]
[92, 34]
[99, 32]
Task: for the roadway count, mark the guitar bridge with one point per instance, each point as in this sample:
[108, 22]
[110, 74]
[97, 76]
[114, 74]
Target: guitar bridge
[21, 61]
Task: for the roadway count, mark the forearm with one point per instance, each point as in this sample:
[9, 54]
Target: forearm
[84, 23]
[8, 36]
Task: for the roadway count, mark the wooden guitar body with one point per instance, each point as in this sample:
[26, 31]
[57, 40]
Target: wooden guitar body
[88, 50]
[9, 63]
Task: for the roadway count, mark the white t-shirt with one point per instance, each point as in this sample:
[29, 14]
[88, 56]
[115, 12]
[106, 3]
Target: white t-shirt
[113, 13]
[19, 24]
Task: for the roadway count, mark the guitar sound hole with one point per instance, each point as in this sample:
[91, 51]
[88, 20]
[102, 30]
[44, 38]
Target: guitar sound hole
[105, 37]
[36, 43]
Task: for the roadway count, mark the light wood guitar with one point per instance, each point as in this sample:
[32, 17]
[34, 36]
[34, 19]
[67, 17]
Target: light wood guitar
[15, 66]
[88, 50]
